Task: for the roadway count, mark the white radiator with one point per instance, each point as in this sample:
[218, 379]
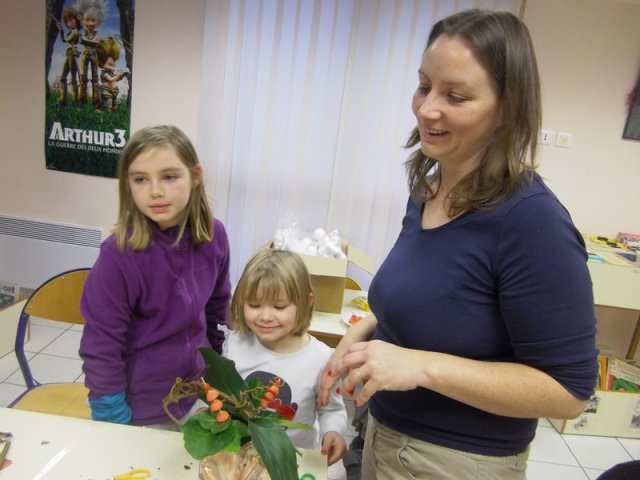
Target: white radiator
[32, 251]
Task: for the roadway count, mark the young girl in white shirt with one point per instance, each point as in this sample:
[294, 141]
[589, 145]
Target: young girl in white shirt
[270, 314]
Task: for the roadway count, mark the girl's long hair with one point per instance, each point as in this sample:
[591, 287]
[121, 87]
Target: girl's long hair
[134, 229]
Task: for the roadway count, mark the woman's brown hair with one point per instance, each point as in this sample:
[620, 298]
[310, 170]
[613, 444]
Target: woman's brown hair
[503, 45]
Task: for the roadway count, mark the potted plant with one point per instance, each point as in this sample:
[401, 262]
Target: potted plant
[240, 431]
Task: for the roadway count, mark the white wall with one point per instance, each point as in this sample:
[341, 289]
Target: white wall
[589, 55]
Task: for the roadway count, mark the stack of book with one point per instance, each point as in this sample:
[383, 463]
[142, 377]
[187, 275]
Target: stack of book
[619, 375]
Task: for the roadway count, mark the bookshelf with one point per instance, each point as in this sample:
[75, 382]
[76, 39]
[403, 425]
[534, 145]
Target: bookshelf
[617, 286]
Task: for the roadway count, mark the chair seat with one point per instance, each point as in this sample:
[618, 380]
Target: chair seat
[68, 399]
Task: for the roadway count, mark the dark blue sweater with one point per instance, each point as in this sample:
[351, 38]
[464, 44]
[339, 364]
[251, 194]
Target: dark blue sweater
[507, 284]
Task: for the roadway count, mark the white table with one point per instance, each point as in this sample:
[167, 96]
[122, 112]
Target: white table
[329, 327]
[49, 447]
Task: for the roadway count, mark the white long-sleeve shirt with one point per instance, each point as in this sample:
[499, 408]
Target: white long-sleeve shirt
[300, 372]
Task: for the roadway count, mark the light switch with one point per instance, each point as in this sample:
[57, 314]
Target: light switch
[546, 137]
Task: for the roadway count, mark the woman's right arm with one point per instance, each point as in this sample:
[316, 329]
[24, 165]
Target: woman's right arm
[360, 332]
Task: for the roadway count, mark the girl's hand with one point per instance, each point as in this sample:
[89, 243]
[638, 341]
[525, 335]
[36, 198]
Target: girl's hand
[378, 366]
[335, 367]
[111, 408]
[333, 446]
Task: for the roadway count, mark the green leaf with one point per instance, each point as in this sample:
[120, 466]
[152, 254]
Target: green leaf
[241, 431]
[208, 421]
[200, 442]
[255, 383]
[283, 422]
[221, 373]
[257, 389]
[276, 450]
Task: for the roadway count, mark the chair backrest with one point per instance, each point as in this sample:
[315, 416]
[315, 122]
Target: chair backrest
[56, 299]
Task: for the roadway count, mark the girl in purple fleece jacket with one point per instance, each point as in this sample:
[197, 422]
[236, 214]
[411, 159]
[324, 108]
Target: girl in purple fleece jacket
[160, 286]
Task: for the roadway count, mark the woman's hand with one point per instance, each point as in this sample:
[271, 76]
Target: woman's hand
[518, 390]
[378, 366]
[335, 366]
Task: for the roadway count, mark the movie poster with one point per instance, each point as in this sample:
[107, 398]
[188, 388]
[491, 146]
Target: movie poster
[89, 65]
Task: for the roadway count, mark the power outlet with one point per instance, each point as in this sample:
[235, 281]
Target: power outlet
[547, 137]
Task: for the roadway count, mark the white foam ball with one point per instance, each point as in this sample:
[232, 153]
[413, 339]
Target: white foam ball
[319, 233]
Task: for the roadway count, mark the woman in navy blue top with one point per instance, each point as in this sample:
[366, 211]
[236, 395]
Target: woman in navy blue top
[483, 317]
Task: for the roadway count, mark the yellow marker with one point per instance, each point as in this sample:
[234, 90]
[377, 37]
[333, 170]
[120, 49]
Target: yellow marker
[5, 442]
[135, 474]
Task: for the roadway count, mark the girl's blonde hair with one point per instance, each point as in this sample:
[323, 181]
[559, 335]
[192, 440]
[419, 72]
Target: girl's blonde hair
[268, 276]
[134, 229]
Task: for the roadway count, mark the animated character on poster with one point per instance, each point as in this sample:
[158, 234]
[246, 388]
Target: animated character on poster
[92, 14]
[71, 19]
[108, 51]
[92, 25]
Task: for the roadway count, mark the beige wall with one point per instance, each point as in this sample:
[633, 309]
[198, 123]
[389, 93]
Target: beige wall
[168, 52]
[588, 50]
[589, 57]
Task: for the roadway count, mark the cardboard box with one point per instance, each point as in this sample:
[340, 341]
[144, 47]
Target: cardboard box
[9, 294]
[608, 414]
[328, 275]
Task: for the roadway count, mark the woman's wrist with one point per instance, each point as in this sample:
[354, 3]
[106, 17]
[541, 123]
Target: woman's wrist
[363, 330]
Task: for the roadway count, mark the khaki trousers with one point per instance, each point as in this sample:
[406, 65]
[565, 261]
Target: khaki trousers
[390, 455]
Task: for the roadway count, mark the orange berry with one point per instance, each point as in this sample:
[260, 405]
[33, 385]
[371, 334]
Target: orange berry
[222, 416]
[273, 389]
[215, 405]
[277, 381]
[268, 396]
[212, 394]
[206, 386]
[264, 403]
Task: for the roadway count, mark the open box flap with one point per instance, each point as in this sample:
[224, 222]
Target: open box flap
[361, 259]
[331, 267]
